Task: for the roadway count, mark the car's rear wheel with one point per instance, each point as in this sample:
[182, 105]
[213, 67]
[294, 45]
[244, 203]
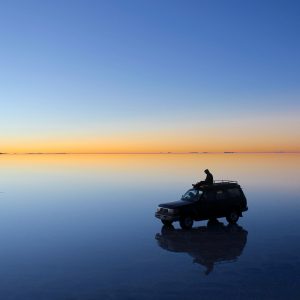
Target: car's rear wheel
[232, 217]
[166, 223]
[186, 223]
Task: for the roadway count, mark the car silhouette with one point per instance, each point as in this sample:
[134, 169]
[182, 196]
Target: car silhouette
[208, 245]
[206, 202]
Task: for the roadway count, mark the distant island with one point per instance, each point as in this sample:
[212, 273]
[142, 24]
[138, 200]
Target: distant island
[46, 153]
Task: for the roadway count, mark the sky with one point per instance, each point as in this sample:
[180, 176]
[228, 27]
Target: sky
[149, 76]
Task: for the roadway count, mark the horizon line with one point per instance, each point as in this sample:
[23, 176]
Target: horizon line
[149, 153]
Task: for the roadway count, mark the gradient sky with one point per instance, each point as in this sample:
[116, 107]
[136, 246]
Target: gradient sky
[143, 76]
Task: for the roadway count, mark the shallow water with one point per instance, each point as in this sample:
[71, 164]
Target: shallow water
[83, 227]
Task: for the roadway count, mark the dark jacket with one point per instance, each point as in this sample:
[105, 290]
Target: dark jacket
[209, 178]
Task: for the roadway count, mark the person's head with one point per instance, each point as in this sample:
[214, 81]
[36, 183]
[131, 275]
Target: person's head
[206, 171]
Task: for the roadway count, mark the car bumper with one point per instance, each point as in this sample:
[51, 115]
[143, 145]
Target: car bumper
[163, 217]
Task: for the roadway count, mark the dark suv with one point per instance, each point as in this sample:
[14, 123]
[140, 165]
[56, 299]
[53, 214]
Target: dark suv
[206, 202]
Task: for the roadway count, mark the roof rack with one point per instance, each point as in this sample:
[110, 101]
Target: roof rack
[224, 181]
[217, 183]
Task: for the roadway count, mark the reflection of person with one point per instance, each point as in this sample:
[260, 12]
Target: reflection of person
[208, 180]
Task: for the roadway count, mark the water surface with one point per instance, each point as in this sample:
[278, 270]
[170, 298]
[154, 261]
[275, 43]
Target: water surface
[83, 227]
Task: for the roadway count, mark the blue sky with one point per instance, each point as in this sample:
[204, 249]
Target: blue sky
[112, 68]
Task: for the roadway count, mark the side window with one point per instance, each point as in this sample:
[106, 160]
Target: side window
[208, 196]
[220, 195]
[234, 193]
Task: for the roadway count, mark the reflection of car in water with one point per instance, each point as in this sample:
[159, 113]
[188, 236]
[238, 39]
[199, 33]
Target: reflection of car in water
[208, 245]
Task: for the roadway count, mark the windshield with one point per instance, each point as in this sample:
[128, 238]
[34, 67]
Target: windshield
[191, 195]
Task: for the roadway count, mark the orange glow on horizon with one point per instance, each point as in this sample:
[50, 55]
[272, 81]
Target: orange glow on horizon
[233, 138]
[252, 134]
[128, 146]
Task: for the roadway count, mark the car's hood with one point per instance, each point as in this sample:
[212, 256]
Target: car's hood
[174, 204]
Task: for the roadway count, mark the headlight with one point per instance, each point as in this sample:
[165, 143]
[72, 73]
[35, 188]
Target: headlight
[172, 211]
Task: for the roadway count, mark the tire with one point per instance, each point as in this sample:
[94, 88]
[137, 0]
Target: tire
[212, 221]
[166, 223]
[167, 229]
[232, 217]
[186, 223]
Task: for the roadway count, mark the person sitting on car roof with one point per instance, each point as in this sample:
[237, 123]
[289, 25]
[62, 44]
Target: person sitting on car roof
[209, 177]
[208, 180]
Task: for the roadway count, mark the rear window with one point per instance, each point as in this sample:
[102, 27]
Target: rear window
[234, 192]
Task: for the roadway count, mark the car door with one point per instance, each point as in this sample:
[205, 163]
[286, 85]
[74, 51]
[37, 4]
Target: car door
[207, 205]
[221, 203]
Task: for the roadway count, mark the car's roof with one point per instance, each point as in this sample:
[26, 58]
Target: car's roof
[219, 185]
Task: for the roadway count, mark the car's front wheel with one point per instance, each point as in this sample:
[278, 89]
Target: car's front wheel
[186, 223]
[232, 217]
[167, 229]
[166, 223]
